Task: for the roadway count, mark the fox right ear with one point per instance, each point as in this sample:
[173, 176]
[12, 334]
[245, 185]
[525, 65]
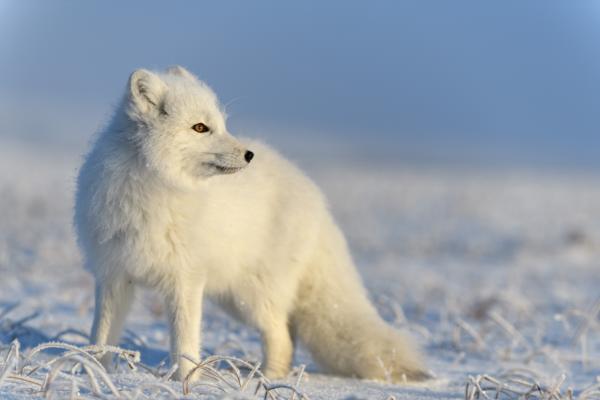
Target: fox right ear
[146, 90]
[182, 72]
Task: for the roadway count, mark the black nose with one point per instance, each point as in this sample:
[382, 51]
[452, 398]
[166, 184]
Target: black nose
[248, 156]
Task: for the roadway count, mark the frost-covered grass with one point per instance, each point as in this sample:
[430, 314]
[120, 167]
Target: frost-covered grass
[76, 372]
[496, 275]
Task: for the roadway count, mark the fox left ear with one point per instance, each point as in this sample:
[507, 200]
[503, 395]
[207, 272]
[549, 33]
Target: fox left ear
[146, 90]
[180, 71]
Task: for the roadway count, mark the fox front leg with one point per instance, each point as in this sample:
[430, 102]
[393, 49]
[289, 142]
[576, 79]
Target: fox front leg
[184, 312]
[113, 301]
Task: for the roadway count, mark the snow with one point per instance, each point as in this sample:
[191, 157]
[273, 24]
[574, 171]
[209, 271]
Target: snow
[493, 272]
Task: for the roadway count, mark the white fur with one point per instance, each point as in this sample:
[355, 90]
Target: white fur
[155, 208]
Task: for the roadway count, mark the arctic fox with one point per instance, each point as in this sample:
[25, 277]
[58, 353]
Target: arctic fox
[167, 198]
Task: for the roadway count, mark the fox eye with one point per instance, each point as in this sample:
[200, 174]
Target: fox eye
[200, 128]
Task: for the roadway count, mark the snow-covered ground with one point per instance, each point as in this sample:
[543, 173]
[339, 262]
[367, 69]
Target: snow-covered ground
[494, 273]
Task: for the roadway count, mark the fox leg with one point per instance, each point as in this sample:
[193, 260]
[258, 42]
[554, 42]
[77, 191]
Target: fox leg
[113, 301]
[278, 348]
[184, 311]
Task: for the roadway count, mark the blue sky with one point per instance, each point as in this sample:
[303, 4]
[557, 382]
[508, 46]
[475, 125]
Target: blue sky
[510, 83]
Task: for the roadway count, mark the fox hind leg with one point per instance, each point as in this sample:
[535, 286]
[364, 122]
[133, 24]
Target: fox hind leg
[278, 348]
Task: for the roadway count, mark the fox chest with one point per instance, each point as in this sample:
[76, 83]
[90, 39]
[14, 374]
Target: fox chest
[188, 244]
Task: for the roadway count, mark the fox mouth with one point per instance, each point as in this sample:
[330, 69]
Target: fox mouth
[223, 169]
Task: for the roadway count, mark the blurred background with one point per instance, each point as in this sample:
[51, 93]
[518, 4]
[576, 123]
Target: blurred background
[463, 83]
[457, 142]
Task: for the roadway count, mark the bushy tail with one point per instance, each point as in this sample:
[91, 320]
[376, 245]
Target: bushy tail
[342, 329]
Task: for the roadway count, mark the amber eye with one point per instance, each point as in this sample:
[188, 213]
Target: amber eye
[200, 128]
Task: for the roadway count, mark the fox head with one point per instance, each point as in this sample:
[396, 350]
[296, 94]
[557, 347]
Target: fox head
[180, 130]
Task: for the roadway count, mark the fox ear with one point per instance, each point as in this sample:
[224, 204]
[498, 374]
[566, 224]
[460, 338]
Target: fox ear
[146, 90]
[180, 71]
